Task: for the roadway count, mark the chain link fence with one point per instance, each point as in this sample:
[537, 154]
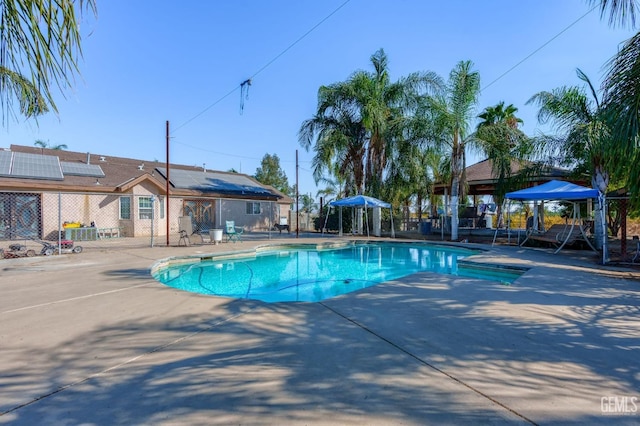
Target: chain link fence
[34, 223]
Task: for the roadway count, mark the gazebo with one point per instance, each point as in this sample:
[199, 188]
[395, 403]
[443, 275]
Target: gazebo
[481, 181]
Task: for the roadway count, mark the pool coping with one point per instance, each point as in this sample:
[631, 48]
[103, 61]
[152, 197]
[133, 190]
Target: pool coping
[193, 258]
[467, 263]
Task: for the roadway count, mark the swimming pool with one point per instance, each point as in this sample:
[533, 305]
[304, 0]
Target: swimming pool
[312, 273]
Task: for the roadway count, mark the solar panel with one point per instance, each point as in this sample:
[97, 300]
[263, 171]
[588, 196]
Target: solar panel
[227, 183]
[236, 183]
[5, 162]
[81, 169]
[187, 180]
[36, 166]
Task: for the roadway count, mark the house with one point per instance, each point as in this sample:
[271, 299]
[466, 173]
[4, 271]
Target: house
[45, 191]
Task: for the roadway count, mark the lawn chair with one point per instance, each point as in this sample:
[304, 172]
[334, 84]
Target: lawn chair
[233, 232]
[185, 230]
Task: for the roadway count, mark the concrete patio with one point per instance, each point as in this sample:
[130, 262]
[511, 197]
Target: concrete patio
[93, 339]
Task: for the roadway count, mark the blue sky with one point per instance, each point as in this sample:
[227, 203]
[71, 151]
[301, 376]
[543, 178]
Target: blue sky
[148, 62]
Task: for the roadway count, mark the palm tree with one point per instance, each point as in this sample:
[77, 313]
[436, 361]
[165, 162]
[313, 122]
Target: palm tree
[499, 114]
[31, 103]
[356, 123]
[449, 116]
[340, 141]
[39, 47]
[438, 166]
[583, 140]
[333, 190]
[620, 11]
[499, 138]
[42, 144]
[622, 94]
[382, 106]
[407, 179]
[622, 97]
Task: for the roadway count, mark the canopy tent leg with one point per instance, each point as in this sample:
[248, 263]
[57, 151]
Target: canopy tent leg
[495, 233]
[366, 215]
[573, 222]
[325, 220]
[534, 227]
[393, 230]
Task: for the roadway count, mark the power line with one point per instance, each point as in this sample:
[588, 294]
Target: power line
[245, 157]
[298, 40]
[541, 47]
[303, 36]
[217, 152]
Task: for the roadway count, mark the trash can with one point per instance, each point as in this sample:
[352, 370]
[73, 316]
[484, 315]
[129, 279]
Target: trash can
[425, 228]
[216, 235]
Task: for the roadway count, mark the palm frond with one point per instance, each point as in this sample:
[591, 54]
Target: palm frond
[621, 12]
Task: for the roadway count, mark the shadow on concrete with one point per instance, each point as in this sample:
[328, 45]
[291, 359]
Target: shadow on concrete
[134, 273]
[423, 349]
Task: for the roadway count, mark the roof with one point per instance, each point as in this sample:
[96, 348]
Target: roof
[88, 172]
[554, 190]
[360, 201]
[481, 180]
[212, 181]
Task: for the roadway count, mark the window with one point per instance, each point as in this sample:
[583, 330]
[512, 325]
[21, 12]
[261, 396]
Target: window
[253, 208]
[161, 203]
[125, 207]
[145, 208]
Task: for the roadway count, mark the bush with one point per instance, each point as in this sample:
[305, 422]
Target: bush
[333, 220]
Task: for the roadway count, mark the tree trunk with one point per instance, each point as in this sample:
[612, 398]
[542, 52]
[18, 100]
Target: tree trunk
[456, 172]
[455, 184]
[600, 181]
[623, 228]
[406, 214]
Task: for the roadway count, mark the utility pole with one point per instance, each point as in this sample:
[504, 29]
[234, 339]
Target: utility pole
[297, 200]
[167, 216]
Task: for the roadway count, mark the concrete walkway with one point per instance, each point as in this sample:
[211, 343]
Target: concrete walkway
[93, 339]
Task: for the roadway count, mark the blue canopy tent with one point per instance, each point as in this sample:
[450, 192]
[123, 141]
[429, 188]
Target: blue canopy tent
[555, 190]
[361, 201]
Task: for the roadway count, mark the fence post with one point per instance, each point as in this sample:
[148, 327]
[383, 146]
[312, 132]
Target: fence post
[153, 215]
[59, 223]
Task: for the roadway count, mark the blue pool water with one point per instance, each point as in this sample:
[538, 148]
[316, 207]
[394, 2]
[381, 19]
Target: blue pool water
[309, 274]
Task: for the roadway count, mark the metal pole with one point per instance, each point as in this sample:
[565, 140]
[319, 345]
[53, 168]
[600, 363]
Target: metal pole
[153, 216]
[603, 212]
[297, 200]
[60, 223]
[167, 215]
[270, 217]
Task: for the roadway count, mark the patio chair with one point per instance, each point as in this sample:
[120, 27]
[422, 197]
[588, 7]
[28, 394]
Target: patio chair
[185, 230]
[233, 232]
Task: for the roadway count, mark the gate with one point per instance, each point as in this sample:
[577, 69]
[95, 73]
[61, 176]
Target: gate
[20, 215]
